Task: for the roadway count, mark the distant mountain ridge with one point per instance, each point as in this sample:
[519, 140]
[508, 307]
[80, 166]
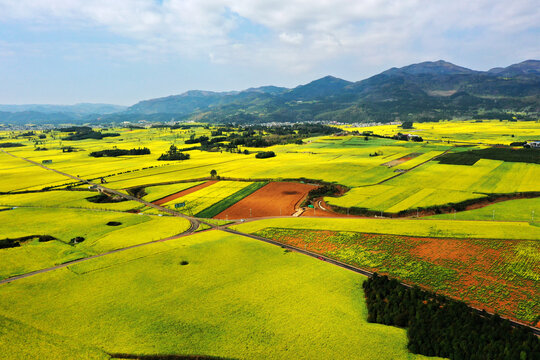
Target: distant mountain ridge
[523, 68]
[440, 67]
[81, 108]
[425, 91]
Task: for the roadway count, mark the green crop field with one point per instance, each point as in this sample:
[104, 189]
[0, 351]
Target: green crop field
[206, 197]
[512, 210]
[64, 199]
[466, 132]
[275, 305]
[154, 193]
[413, 227]
[66, 224]
[17, 175]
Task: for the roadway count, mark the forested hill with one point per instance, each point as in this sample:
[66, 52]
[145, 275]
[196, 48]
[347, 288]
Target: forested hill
[420, 92]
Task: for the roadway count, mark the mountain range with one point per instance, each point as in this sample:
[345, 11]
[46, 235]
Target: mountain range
[418, 92]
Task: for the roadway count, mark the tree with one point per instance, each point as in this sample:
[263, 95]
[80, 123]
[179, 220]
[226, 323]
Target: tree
[213, 173]
[407, 125]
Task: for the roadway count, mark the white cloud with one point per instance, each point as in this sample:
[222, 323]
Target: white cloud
[293, 39]
[302, 34]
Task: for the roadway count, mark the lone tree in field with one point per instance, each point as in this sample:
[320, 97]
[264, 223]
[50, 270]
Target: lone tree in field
[407, 125]
[213, 173]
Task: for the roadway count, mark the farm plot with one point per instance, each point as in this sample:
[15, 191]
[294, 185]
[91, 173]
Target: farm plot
[393, 199]
[18, 175]
[472, 132]
[230, 200]
[500, 276]
[401, 160]
[435, 184]
[197, 201]
[166, 193]
[66, 224]
[510, 210]
[274, 199]
[64, 199]
[275, 305]
[411, 227]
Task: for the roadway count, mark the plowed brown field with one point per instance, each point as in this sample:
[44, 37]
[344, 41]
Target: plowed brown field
[274, 199]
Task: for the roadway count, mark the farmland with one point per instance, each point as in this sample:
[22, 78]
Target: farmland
[466, 132]
[303, 307]
[451, 214]
[67, 224]
[500, 276]
[208, 196]
[273, 199]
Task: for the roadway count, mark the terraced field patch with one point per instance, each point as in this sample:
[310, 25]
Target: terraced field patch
[497, 275]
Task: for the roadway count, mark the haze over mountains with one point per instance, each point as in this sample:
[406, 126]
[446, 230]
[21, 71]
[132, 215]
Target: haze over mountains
[418, 92]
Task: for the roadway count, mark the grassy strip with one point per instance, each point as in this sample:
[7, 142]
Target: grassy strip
[230, 200]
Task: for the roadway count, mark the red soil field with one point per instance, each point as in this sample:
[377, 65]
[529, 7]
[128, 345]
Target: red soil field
[183, 193]
[484, 279]
[274, 199]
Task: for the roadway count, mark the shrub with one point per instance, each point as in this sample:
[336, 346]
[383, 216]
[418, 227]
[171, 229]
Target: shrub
[265, 155]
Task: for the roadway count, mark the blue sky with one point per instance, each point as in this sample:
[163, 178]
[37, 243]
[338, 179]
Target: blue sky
[123, 51]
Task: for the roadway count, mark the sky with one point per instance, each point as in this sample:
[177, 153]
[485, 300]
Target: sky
[124, 51]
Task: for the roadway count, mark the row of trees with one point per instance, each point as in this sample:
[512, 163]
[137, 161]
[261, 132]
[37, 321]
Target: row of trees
[10, 144]
[120, 152]
[97, 135]
[439, 326]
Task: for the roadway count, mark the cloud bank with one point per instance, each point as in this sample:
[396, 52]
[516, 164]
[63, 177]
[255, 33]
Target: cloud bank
[287, 33]
[300, 38]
